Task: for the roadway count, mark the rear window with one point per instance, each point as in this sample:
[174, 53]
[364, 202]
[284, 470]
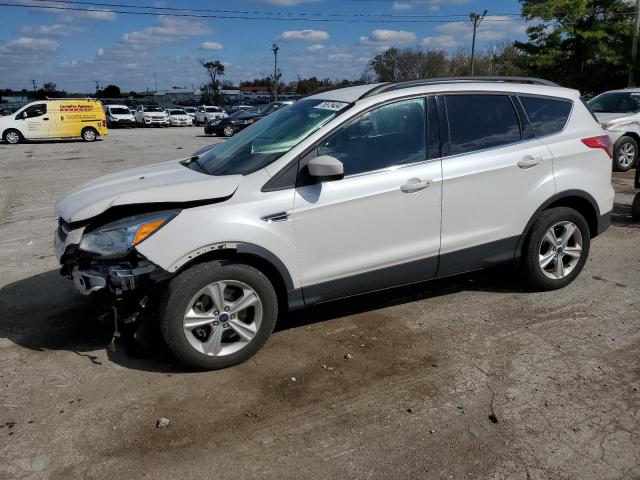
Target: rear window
[478, 122]
[546, 115]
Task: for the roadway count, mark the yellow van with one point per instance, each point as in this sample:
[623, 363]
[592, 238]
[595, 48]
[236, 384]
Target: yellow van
[55, 118]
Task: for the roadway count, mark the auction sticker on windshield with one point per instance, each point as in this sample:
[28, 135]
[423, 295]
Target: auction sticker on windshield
[335, 106]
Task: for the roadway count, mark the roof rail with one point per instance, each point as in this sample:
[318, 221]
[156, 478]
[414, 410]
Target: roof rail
[390, 86]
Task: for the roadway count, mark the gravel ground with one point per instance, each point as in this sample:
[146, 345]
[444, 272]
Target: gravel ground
[428, 365]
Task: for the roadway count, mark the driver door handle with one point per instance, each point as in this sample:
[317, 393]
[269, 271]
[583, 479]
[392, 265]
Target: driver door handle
[528, 161]
[415, 185]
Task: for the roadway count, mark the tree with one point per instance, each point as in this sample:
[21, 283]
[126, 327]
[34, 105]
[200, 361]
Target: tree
[111, 91]
[49, 87]
[394, 65]
[214, 69]
[583, 44]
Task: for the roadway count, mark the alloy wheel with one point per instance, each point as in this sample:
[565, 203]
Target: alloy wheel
[626, 154]
[13, 137]
[560, 250]
[222, 318]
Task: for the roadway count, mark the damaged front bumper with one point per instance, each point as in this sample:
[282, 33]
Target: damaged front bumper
[116, 277]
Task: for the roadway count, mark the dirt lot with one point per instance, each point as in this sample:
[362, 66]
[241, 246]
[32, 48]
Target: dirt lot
[561, 370]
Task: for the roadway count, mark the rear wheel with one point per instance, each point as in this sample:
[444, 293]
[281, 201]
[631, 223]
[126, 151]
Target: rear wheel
[625, 153]
[556, 249]
[12, 137]
[216, 315]
[89, 134]
[635, 208]
[227, 131]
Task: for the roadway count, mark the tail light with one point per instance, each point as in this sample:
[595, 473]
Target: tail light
[601, 141]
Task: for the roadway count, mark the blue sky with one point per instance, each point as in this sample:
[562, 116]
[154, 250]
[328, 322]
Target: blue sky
[75, 48]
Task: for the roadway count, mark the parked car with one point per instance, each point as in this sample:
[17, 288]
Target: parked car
[191, 111]
[68, 118]
[119, 116]
[619, 113]
[204, 113]
[151, 115]
[242, 119]
[179, 118]
[344, 192]
[232, 124]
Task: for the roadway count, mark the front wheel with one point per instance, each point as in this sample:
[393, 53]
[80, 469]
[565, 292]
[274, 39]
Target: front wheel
[89, 134]
[625, 154]
[215, 315]
[556, 249]
[227, 131]
[12, 137]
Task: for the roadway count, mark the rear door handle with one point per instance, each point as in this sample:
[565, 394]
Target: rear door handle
[415, 185]
[45, 118]
[529, 161]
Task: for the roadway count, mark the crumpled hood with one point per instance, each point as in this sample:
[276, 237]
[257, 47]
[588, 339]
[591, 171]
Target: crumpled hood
[165, 182]
[618, 117]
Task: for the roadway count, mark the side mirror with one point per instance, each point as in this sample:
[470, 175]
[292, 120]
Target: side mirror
[326, 168]
[21, 116]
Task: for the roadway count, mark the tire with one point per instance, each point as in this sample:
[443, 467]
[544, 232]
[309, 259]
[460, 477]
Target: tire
[89, 134]
[625, 154]
[227, 131]
[12, 137]
[189, 291]
[635, 208]
[537, 249]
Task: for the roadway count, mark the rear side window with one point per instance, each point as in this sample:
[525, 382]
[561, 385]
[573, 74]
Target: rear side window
[547, 115]
[478, 121]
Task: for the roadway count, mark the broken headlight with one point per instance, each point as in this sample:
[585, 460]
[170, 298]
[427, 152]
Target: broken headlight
[120, 236]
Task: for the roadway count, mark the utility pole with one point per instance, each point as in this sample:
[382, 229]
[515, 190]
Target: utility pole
[275, 49]
[634, 46]
[33, 82]
[476, 20]
[155, 79]
[97, 85]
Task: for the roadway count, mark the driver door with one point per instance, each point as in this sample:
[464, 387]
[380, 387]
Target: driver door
[379, 226]
[37, 123]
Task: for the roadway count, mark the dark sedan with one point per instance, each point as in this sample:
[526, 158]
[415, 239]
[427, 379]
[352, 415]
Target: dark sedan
[232, 124]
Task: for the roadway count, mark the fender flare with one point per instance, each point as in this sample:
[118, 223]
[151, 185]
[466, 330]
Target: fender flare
[12, 128]
[551, 200]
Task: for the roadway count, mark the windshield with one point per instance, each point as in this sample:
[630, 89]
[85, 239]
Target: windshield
[210, 109]
[616, 102]
[177, 112]
[267, 140]
[152, 109]
[119, 111]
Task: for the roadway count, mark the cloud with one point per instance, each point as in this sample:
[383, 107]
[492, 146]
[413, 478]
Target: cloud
[440, 42]
[306, 35]
[100, 14]
[316, 47]
[211, 46]
[382, 36]
[402, 6]
[340, 56]
[168, 30]
[104, 15]
[493, 27]
[29, 45]
[55, 30]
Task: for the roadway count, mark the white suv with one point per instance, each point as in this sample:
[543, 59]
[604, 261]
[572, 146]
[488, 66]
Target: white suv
[206, 113]
[344, 192]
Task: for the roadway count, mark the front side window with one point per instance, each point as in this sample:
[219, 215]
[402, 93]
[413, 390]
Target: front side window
[387, 136]
[546, 115]
[265, 141]
[478, 122]
[36, 110]
[616, 102]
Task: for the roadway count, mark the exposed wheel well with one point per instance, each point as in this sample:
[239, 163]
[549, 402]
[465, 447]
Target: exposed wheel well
[633, 135]
[582, 206]
[262, 264]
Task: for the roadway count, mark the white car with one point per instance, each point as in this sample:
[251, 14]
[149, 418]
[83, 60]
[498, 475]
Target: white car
[619, 113]
[151, 115]
[344, 192]
[119, 116]
[191, 111]
[204, 113]
[179, 118]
